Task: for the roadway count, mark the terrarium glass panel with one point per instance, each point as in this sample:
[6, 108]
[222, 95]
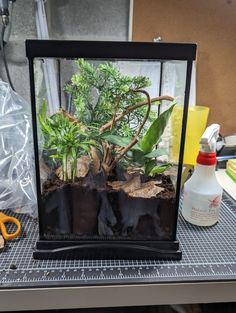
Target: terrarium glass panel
[104, 137]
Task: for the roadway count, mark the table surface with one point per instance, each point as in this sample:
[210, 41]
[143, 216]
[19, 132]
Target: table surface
[226, 182]
[206, 273]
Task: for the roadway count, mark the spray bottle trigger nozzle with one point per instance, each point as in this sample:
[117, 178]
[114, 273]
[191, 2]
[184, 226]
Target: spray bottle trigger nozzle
[209, 138]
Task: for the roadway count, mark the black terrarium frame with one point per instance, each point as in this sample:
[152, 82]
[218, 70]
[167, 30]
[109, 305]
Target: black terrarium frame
[106, 247]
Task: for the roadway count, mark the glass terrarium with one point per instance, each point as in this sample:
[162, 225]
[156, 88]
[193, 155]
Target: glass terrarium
[107, 186]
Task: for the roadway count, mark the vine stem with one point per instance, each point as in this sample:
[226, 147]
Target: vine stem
[132, 108]
[135, 138]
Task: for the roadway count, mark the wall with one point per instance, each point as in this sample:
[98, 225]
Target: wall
[212, 25]
[23, 26]
[89, 19]
[67, 19]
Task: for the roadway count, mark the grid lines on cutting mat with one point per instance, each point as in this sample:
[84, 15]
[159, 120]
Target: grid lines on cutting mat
[208, 254]
[209, 245]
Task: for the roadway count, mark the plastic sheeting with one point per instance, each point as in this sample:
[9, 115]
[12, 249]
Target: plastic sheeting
[17, 179]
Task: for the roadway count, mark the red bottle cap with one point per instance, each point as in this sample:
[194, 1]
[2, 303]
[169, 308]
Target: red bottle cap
[206, 158]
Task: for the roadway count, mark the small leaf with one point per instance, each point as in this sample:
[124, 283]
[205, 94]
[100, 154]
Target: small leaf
[84, 147]
[44, 126]
[56, 156]
[149, 165]
[116, 140]
[159, 169]
[155, 131]
[138, 156]
[119, 141]
[156, 153]
[73, 153]
[91, 143]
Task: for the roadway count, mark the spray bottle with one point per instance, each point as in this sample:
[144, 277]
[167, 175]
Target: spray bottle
[202, 192]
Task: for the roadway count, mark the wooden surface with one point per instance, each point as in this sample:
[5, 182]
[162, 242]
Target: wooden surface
[212, 25]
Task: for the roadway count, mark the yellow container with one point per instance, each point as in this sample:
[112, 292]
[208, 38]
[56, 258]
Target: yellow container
[196, 124]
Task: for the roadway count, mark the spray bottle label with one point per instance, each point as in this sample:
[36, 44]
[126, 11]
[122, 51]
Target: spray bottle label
[201, 210]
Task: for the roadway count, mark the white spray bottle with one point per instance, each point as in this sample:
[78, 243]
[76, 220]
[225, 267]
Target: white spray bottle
[202, 192]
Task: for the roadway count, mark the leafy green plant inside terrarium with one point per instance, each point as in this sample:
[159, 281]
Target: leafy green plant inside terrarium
[101, 92]
[113, 124]
[65, 140]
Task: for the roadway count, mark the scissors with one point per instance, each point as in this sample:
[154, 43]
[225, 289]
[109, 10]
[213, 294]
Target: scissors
[9, 219]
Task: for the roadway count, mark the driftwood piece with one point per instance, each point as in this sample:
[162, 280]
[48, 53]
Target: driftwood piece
[128, 185]
[95, 160]
[147, 190]
[134, 188]
[70, 117]
[83, 166]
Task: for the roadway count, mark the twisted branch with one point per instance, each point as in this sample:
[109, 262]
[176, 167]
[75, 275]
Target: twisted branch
[135, 138]
[132, 108]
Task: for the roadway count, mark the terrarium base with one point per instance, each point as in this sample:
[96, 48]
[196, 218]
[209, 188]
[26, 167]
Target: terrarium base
[46, 249]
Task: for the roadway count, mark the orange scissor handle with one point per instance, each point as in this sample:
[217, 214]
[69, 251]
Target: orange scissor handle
[8, 219]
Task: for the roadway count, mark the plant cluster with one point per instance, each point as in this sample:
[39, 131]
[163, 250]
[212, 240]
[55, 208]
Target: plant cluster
[65, 140]
[113, 122]
[101, 92]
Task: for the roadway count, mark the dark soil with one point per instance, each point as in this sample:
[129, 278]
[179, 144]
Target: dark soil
[90, 209]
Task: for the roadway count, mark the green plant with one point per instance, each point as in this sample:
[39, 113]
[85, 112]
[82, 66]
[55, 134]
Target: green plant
[101, 92]
[144, 153]
[65, 140]
[113, 124]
